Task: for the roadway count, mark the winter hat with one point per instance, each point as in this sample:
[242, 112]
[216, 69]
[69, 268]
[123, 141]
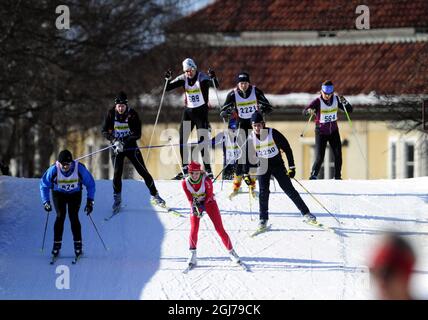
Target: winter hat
[394, 256]
[257, 117]
[121, 98]
[65, 157]
[189, 64]
[243, 77]
[194, 166]
[327, 87]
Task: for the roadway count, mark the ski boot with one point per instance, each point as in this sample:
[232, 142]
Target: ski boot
[309, 217]
[236, 186]
[314, 176]
[117, 197]
[182, 174]
[156, 200]
[56, 248]
[251, 182]
[234, 256]
[262, 224]
[191, 261]
[78, 248]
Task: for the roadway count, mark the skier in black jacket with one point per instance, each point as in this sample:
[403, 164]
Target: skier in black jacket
[196, 88]
[265, 145]
[244, 100]
[122, 127]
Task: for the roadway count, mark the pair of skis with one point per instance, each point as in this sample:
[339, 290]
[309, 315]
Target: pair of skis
[243, 266]
[168, 209]
[55, 258]
[312, 223]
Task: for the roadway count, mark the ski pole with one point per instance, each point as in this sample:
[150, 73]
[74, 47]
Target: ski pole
[176, 156]
[157, 118]
[225, 126]
[306, 126]
[250, 204]
[105, 247]
[317, 200]
[44, 234]
[90, 154]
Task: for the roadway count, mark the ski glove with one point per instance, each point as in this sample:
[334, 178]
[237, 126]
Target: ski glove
[266, 109]
[118, 146]
[342, 100]
[226, 110]
[47, 206]
[291, 172]
[211, 73]
[198, 208]
[310, 112]
[168, 75]
[89, 206]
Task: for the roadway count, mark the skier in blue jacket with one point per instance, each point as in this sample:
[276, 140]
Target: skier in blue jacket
[65, 179]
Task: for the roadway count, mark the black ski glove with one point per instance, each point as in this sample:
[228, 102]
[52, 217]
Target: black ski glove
[291, 171]
[47, 206]
[266, 109]
[89, 206]
[211, 73]
[343, 100]
[198, 208]
[168, 75]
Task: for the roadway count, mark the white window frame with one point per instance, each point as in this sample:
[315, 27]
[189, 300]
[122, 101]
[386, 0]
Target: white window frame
[401, 162]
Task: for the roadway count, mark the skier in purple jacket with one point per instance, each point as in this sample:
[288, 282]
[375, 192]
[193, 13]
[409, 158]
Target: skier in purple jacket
[325, 109]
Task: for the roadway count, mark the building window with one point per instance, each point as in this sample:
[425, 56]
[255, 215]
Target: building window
[424, 159]
[393, 160]
[410, 159]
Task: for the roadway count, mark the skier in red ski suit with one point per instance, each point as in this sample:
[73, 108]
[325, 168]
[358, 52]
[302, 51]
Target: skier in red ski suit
[198, 188]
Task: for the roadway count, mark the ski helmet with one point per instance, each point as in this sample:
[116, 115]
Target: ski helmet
[189, 64]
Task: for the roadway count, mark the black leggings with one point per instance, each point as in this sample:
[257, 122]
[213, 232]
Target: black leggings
[285, 184]
[61, 200]
[195, 117]
[137, 160]
[336, 148]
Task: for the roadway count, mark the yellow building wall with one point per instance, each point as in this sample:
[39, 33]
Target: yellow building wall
[165, 162]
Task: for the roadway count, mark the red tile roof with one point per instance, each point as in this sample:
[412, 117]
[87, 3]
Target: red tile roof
[282, 15]
[388, 68]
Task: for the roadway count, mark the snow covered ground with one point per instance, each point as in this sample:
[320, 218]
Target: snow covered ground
[148, 247]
